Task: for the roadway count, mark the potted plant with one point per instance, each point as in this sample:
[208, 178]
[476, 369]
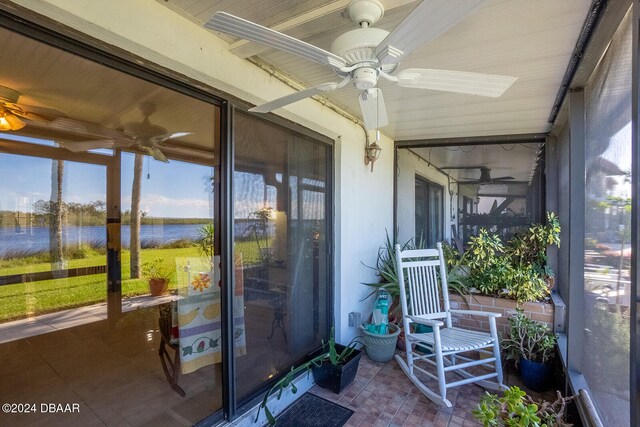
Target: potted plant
[333, 366]
[516, 408]
[159, 274]
[532, 345]
[388, 280]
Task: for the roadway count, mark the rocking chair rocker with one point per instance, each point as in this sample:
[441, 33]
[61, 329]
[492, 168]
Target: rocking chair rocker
[418, 271]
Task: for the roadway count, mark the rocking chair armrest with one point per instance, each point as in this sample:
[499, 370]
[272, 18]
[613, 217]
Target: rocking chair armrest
[428, 322]
[476, 313]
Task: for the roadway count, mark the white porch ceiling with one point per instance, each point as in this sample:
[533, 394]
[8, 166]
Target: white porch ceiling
[532, 40]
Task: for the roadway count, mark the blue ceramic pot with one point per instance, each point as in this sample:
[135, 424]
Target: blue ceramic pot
[535, 375]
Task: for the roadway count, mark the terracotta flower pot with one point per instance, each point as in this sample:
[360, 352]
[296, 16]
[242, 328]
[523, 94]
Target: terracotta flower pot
[157, 287]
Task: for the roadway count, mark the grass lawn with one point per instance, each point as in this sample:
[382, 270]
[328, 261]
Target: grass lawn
[28, 299]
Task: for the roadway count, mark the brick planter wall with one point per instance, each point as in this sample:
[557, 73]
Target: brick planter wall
[542, 312]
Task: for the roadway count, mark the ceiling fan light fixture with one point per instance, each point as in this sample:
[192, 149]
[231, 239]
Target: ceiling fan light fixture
[9, 121]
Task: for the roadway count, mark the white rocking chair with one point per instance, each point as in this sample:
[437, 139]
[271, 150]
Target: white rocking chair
[418, 270]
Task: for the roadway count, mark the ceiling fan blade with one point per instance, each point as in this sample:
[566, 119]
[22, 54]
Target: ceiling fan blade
[158, 155]
[426, 22]
[491, 85]
[80, 146]
[230, 24]
[177, 135]
[502, 178]
[162, 138]
[294, 97]
[374, 112]
[31, 112]
[79, 127]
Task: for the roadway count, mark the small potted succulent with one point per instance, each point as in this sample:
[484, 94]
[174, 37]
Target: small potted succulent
[532, 345]
[159, 274]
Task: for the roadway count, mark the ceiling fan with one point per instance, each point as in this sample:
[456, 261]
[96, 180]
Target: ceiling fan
[143, 135]
[485, 176]
[12, 113]
[365, 54]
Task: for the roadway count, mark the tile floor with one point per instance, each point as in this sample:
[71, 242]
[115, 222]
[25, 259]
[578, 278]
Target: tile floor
[381, 395]
[113, 371]
[110, 368]
[64, 319]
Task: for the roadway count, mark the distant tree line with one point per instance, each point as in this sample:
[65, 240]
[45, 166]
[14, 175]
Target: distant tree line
[87, 214]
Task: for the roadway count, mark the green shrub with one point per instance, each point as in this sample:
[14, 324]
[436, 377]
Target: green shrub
[516, 270]
[516, 408]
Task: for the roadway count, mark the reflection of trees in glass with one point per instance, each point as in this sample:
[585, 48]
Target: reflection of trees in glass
[90, 213]
[205, 241]
[55, 225]
[607, 345]
[261, 231]
[134, 239]
[620, 207]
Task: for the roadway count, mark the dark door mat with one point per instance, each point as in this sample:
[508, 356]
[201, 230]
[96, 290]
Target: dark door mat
[313, 411]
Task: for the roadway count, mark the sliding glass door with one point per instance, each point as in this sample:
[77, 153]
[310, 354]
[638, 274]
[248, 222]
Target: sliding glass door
[281, 226]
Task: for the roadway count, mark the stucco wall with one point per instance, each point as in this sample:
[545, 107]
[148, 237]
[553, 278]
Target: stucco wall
[363, 200]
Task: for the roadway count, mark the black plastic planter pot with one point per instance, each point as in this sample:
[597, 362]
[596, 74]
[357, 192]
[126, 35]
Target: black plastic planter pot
[336, 378]
[535, 375]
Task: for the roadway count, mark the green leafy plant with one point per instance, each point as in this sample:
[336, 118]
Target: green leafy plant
[528, 339]
[530, 247]
[205, 241]
[516, 408]
[158, 269]
[329, 355]
[482, 266]
[516, 270]
[525, 284]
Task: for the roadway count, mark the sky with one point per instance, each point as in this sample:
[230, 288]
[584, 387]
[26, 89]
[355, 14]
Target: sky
[170, 190]
[176, 190]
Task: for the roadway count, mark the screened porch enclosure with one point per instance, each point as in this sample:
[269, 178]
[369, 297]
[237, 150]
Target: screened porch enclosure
[265, 224]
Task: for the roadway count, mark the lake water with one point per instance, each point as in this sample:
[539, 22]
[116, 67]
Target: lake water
[36, 239]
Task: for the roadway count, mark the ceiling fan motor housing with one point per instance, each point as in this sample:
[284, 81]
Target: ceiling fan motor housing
[359, 45]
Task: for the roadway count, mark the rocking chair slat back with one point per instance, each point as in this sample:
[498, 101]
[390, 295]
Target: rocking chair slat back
[423, 299]
[420, 274]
